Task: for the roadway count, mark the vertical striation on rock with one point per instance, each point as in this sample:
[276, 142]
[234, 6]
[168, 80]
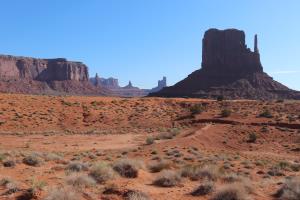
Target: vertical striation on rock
[42, 69]
[226, 51]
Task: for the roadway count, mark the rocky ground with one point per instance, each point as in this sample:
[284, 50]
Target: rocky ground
[148, 148]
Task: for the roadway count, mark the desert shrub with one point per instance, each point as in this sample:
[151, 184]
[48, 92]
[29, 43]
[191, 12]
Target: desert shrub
[127, 168]
[225, 113]
[9, 163]
[220, 98]
[196, 109]
[275, 171]
[231, 192]
[176, 153]
[77, 166]
[136, 195]
[33, 160]
[52, 157]
[167, 178]
[2, 157]
[290, 189]
[231, 178]
[165, 136]
[149, 140]
[284, 165]
[80, 180]
[10, 185]
[101, 172]
[266, 113]
[62, 193]
[5, 181]
[241, 180]
[203, 189]
[168, 135]
[198, 172]
[252, 138]
[264, 129]
[295, 167]
[36, 185]
[159, 166]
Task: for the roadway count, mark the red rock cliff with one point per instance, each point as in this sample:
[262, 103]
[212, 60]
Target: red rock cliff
[45, 76]
[42, 69]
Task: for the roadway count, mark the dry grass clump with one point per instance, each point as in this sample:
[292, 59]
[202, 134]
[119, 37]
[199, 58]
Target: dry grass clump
[241, 180]
[196, 172]
[167, 178]
[168, 135]
[204, 189]
[127, 168]
[225, 113]
[62, 193]
[231, 192]
[266, 113]
[9, 184]
[196, 109]
[52, 157]
[33, 159]
[159, 166]
[290, 190]
[136, 195]
[149, 140]
[77, 166]
[80, 180]
[36, 187]
[275, 171]
[5, 181]
[231, 178]
[101, 172]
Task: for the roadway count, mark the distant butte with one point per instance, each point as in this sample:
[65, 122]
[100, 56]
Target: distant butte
[127, 91]
[229, 69]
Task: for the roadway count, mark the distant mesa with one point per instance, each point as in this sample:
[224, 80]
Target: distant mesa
[45, 76]
[229, 69]
[109, 83]
[160, 85]
[127, 91]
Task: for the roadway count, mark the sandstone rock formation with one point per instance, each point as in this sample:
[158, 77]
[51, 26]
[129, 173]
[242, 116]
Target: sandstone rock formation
[130, 91]
[45, 76]
[229, 69]
[109, 83]
[113, 85]
[160, 85]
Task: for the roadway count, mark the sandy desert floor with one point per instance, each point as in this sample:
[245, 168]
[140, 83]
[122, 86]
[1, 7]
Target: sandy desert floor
[147, 148]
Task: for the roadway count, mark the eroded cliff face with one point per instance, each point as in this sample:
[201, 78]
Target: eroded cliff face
[45, 76]
[229, 69]
[226, 51]
[42, 69]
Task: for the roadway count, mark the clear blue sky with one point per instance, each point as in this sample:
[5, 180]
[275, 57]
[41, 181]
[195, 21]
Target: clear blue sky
[143, 40]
